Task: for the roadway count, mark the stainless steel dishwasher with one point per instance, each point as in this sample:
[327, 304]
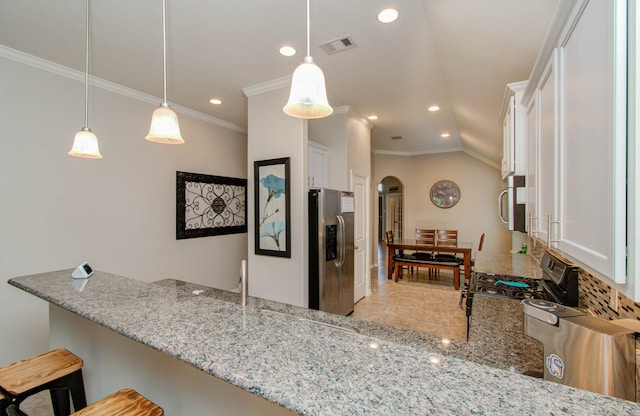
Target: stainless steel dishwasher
[581, 350]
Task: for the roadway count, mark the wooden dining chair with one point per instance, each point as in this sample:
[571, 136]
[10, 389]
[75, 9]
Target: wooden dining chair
[473, 255]
[447, 238]
[389, 236]
[428, 238]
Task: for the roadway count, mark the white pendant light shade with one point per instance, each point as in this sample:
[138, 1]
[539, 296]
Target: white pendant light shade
[164, 126]
[164, 121]
[308, 96]
[85, 144]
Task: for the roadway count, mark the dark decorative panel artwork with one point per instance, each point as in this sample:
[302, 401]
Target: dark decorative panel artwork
[209, 205]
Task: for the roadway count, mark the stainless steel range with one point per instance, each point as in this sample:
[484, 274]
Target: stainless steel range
[559, 284]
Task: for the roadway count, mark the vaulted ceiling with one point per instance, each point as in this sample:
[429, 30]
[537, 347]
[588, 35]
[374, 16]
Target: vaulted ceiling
[458, 54]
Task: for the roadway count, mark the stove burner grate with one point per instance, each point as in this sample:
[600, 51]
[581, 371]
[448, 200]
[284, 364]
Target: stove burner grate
[513, 287]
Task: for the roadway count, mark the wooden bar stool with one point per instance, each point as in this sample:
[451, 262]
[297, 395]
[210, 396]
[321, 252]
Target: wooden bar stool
[125, 402]
[58, 371]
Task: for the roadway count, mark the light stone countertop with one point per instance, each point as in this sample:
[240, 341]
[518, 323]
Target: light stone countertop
[522, 265]
[264, 349]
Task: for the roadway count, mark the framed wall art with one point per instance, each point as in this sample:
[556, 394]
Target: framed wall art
[209, 205]
[272, 207]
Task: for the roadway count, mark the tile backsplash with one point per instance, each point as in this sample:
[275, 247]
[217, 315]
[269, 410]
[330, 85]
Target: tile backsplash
[595, 295]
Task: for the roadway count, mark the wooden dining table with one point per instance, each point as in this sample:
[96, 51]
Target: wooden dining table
[407, 244]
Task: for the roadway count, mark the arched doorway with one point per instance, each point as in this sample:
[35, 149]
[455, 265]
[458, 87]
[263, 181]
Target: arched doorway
[390, 206]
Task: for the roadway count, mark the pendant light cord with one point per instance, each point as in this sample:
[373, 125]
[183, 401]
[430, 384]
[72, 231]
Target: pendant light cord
[164, 50]
[86, 71]
[308, 29]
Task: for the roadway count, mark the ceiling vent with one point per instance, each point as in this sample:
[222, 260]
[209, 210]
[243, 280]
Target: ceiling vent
[338, 45]
[396, 137]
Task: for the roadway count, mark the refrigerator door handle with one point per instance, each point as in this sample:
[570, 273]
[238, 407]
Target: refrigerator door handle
[341, 241]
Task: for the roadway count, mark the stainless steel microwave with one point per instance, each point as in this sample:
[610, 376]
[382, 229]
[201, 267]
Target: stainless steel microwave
[512, 204]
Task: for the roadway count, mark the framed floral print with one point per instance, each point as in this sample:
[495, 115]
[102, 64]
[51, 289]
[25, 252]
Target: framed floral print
[272, 207]
[209, 205]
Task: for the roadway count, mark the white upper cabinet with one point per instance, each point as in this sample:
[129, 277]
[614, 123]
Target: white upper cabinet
[318, 166]
[592, 153]
[576, 109]
[514, 131]
[547, 147]
[531, 179]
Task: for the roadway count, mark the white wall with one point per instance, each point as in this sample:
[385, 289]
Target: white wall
[118, 213]
[273, 134]
[474, 214]
[358, 140]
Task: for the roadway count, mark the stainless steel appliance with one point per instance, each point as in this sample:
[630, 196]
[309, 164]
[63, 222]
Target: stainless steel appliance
[511, 204]
[581, 350]
[559, 284]
[331, 265]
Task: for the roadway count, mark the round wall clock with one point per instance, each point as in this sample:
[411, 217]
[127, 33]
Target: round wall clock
[444, 194]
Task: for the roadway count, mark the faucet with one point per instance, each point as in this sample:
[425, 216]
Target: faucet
[243, 279]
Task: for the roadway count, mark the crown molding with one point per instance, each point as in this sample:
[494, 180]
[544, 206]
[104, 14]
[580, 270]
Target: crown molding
[475, 155]
[416, 153]
[483, 159]
[66, 72]
[267, 86]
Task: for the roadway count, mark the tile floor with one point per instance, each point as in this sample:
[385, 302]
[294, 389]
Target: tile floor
[420, 303]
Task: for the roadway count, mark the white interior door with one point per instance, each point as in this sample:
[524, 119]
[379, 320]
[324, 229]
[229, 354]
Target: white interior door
[360, 236]
[394, 214]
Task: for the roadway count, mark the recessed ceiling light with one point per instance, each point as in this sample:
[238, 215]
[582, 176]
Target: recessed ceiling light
[388, 16]
[372, 117]
[445, 135]
[215, 101]
[287, 51]
[434, 108]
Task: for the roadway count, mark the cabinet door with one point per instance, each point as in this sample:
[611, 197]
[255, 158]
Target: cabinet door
[547, 144]
[533, 127]
[318, 166]
[592, 141]
[508, 137]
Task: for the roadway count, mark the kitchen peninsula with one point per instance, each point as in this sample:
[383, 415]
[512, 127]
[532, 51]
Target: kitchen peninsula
[304, 361]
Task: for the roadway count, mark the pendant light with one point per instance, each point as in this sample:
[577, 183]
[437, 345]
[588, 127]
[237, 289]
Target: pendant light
[308, 96]
[164, 121]
[85, 144]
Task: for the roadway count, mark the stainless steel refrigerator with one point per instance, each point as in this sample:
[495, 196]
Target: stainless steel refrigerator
[331, 266]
